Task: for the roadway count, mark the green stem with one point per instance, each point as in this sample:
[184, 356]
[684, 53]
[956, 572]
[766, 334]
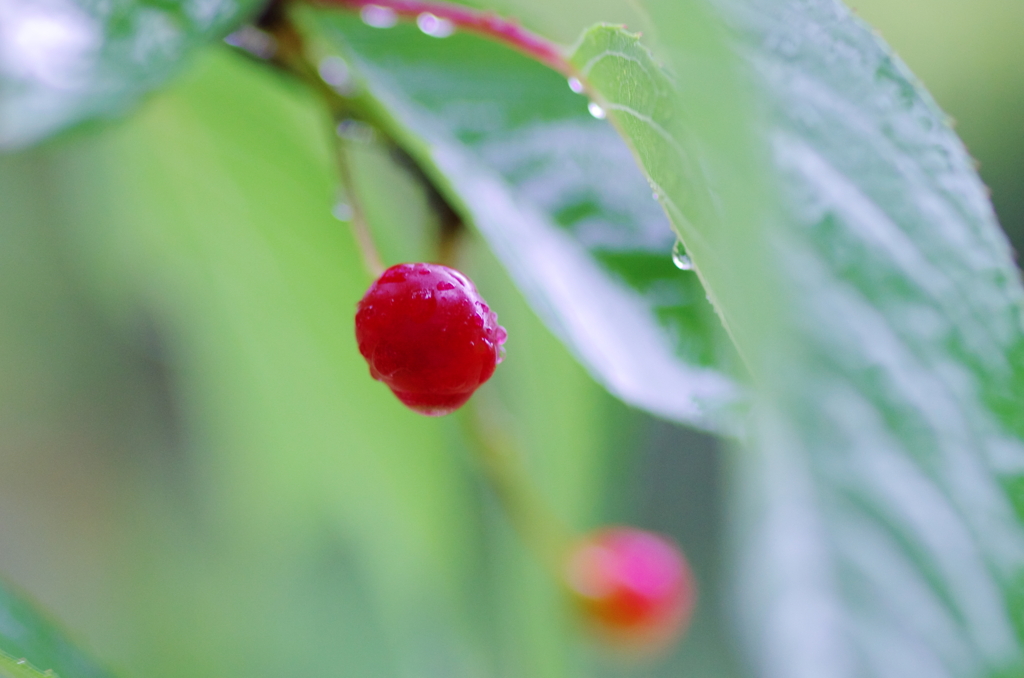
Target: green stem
[292, 56]
[501, 461]
[360, 226]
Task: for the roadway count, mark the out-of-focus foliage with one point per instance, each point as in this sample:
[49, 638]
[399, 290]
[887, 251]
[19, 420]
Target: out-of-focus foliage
[199, 473]
[65, 61]
[199, 478]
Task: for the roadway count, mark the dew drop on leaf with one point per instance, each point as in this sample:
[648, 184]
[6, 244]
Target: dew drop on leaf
[254, 41]
[378, 17]
[596, 111]
[575, 85]
[680, 258]
[342, 212]
[334, 71]
[356, 130]
[434, 26]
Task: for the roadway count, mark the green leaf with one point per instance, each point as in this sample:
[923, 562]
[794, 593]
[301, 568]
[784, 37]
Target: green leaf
[868, 286]
[65, 61]
[559, 200]
[32, 647]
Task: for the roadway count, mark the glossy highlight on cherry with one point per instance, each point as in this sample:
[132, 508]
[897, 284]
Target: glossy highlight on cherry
[427, 334]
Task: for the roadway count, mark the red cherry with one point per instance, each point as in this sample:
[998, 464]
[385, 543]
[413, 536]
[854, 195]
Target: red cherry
[426, 333]
[631, 586]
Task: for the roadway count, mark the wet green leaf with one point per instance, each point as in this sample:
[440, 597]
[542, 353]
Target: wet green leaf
[850, 248]
[65, 61]
[559, 200]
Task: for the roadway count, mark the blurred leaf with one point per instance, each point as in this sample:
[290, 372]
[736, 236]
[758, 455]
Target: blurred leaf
[65, 61]
[559, 200]
[31, 646]
[880, 312]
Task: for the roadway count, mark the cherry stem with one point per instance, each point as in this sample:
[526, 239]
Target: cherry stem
[292, 55]
[487, 24]
[531, 516]
[360, 227]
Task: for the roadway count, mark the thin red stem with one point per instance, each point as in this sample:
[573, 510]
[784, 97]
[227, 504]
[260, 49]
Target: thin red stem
[488, 24]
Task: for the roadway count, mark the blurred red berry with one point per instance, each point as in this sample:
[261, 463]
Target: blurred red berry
[426, 333]
[631, 586]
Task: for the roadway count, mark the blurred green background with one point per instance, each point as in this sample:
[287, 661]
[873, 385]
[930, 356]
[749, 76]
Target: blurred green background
[198, 477]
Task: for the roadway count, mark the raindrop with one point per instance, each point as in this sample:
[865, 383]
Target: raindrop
[356, 130]
[21, 661]
[680, 258]
[334, 71]
[342, 211]
[596, 111]
[575, 85]
[394, 275]
[655, 195]
[422, 305]
[378, 17]
[434, 26]
[254, 41]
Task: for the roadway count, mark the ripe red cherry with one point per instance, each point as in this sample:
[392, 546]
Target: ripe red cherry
[633, 587]
[428, 335]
